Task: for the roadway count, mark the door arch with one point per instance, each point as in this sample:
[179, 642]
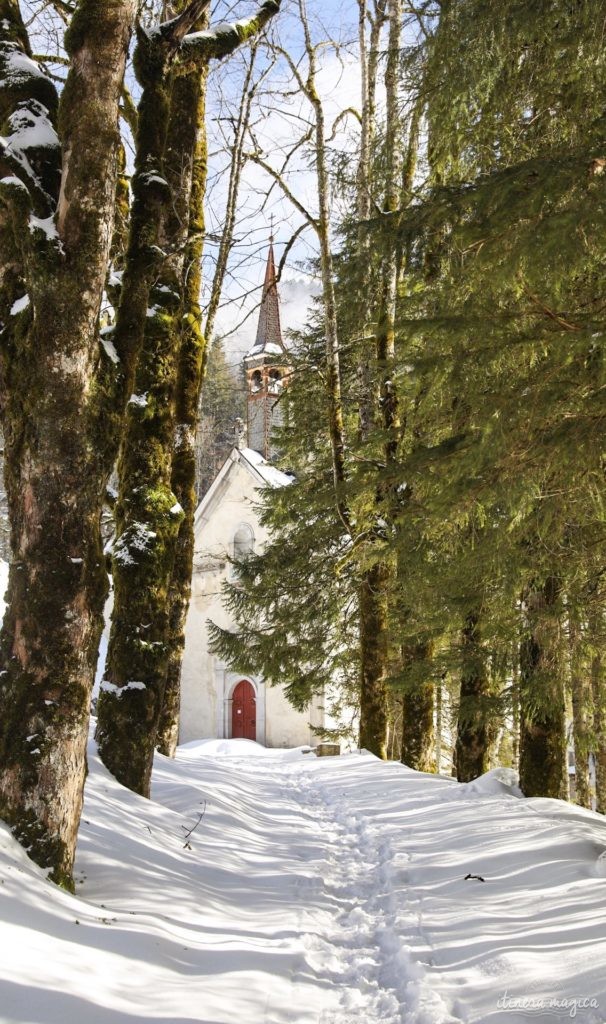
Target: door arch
[244, 711]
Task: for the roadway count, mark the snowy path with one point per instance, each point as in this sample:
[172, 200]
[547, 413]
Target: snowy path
[312, 891]
[361, 952]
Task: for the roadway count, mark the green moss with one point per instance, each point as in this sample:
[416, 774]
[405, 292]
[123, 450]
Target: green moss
[90, 21]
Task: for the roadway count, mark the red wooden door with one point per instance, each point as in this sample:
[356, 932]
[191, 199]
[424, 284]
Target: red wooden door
[244, 712]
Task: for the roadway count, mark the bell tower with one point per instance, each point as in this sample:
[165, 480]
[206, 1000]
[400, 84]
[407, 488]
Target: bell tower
[266, 368]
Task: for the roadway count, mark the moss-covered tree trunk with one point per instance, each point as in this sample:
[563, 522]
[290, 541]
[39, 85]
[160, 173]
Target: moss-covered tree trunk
[542, 700]
[154, 306]
[58, 196]
[476, 717]
[418, 732]
[183, 479]
[148, 514]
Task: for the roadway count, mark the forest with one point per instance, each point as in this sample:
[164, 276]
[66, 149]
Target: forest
[440, 553]
[436, 567]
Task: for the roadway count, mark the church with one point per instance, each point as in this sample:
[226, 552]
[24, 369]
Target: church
[217, 701]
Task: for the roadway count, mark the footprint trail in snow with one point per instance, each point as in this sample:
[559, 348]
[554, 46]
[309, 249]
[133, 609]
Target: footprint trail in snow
[373, 974]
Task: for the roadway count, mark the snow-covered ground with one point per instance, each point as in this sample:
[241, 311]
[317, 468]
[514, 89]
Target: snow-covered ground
[311, 890]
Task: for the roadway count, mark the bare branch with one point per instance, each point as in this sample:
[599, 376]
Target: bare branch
[128, 109]
[288, 247]
[256, 159]
[301, 82]
[341, 117]
[237, 163]
[63, 9]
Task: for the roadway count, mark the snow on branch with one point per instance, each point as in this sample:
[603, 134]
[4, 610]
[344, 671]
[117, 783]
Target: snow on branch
[176, 29]
[224, 38]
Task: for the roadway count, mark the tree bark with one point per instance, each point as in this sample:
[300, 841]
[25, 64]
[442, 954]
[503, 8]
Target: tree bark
[475, 723]
[542, 702]
[153, 306]
[373, 638]
[515, 709]
[147, 512]
[418, 734]
[378, 581]
[439, 726]
[189, 383]
[598, 686]
[580, 684]
[61, 220]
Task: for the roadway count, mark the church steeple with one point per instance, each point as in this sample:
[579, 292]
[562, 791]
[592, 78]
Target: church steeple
[264, 365]
[269, 330]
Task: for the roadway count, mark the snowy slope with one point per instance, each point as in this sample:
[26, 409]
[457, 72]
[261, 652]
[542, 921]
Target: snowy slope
[316, 891]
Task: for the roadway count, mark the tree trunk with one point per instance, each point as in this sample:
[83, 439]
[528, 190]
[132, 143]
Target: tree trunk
[377, 582]
[147, 513]
[580, 684]
[152, 305]
[542, 702]
[193, 361]
[55, 467]
[475, 723]
[515, 709]
[418, 736]
[598, 686]
[439, 712]
[191, 369]
[373, 637]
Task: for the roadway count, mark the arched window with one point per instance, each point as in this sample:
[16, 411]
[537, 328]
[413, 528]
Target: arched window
[256, 381]
[275, 382]
[244, 541]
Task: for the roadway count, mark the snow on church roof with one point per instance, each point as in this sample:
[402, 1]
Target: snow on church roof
[259, 468]
[272, 476]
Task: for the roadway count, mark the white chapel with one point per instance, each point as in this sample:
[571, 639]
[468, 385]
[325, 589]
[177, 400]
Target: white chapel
[216, 701]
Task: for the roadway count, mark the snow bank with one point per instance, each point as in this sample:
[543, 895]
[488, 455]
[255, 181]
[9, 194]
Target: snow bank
[271, 887]
[239, 748]
[493, 783]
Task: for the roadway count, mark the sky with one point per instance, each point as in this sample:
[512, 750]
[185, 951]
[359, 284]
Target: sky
[281, 115]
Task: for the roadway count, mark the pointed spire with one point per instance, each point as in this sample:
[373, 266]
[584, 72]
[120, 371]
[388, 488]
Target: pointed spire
[269, 330]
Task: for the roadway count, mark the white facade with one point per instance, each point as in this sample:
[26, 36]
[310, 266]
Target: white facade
[227, 516]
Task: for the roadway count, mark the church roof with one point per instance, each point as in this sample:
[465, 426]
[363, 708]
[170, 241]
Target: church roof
[268, 473]
[269, 331]
[262, 472]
